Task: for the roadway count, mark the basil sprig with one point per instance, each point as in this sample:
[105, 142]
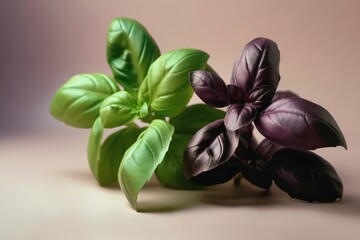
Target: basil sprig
[147, 87]
[188, 147]
[291, 126]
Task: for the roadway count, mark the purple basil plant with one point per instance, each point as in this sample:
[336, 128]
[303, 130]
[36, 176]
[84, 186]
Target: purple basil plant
[291, 126]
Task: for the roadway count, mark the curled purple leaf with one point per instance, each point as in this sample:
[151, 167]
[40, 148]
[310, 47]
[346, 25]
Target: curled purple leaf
[239, 115]
[260, 97]
[266, 149]
[210, 88]
[218, 175]
[258, 173]
[257, 66]
[299, 123]
[283, 94]
[210, 147]
[306, 176]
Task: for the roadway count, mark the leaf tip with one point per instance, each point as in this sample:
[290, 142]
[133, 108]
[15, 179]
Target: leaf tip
[343, 143]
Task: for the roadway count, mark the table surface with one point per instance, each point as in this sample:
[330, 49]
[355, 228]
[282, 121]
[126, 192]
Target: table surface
[47, 192]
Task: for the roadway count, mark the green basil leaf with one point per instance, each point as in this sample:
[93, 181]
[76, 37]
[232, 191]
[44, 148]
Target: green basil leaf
[167, 88]
[94, 146]
[78, 101]
[118, 109]
[130, 52]
[170, 171]
[142, 158]
[104, 159]
[195, 117]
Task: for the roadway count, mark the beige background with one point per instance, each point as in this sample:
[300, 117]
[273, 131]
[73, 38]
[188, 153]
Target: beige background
[46, 190]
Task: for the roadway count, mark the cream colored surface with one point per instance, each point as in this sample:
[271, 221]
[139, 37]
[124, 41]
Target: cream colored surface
[46, 189]
[47, 192]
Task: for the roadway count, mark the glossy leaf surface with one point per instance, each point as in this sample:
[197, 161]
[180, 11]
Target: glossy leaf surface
[299, 123]
[143, 157]
[258, 173]
[167, 88]
[239, 115]
[104, 159]
[257, 66]
[257, 70]
[306, 176]
[170, 171]
[195, 117]
[78, 101]
[209, 148]
[130, 52]
[235, 94]
[210, 88]
[260, 97]
[266, 149]
[118, 109]
[218, 175]
[94, 147]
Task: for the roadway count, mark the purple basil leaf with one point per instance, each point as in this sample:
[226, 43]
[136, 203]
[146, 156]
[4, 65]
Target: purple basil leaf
[210, 88]
[299, 123]
[266, 149]
[306, 176]
[257, 66]
[235, 94]
[210, 147]
[283, 94]
[218, 175]
[258, 173]
[260, 97]
[239, 115]
[244, 150]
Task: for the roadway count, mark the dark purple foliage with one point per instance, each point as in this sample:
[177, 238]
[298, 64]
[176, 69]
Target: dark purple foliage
[266, 149]
[211, 146]
[210, 88]
[260, 97]
[299, 123]
[257, 67]
[253, 84]
[258, 173]
[291, 126]
[218, 175]
[239, 116]
[306, 176]
[235, 94]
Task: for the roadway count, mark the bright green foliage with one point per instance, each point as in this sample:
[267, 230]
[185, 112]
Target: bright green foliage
[118, 109]
[152, 87]
[104, 159]
[78, 101]
[130, 52]
[167, 88]
[142, 158]
[170, 170]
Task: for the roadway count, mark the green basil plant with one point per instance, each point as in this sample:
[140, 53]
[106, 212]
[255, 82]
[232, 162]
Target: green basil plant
[147, 87]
